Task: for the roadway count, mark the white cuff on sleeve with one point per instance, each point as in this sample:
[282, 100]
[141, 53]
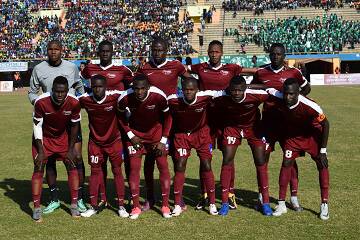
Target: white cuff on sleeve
[38, 132]
[130, 134]
[163, 140]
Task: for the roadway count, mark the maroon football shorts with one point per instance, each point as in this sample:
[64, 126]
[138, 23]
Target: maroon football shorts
[150, 138]
[232, 136]
[199, 140]
[97, 154]
[294, 147]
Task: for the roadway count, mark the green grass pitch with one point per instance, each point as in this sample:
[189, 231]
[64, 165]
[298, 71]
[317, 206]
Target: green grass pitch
[342, 106]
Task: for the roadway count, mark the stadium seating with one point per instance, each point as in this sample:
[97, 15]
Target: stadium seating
[319, 34]
[259, 6]
[228, 21]
[129, 24]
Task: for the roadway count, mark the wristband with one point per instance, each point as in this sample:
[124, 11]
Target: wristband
[163, 140]
[130, 134]
[323, 150]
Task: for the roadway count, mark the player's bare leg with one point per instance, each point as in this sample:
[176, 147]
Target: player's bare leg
[258, 152]
[179, 180]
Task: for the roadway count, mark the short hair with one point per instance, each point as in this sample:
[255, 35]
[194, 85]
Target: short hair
[291, 81]
[277, 45]
[237, 80]
[188, 61]
[61, 80]
[216, 42]
[98, 77]
[161, 41]
[54, 41]
[179, 58]
[105, 43]
[140, 78]
[188, 80]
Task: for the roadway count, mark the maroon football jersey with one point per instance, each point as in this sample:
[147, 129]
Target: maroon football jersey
[190, 117]
[143, 116]
[118, 77]
[275, 78]
[243, 114]
[218, 78]
[56, 118]
[301, 119]
[164, 76]
[103, 122]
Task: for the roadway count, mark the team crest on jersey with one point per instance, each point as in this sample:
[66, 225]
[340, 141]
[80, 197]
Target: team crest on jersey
[167, 72]
[151, 107]
[67, 113]
[199, 109]
[110, 75]
[223, 72]
[108, 109]
[249, 105]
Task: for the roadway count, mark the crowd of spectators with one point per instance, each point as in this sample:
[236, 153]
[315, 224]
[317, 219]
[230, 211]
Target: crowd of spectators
[327, 34]
[130, 25]
[259, 6]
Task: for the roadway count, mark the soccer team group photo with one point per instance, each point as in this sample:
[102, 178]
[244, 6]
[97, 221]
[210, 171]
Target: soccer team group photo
[187, 119]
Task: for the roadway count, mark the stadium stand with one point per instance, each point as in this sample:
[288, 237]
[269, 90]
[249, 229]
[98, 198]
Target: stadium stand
[327, 34]
[259, 6]
[347, 14]
[129, 24]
